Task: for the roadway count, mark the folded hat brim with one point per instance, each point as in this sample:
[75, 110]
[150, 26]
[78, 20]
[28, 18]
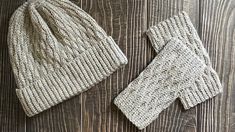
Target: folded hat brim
[90, 68]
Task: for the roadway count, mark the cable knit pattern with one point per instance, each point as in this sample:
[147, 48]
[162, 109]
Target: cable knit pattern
[57, 51]
[206, 86]
[171, 71]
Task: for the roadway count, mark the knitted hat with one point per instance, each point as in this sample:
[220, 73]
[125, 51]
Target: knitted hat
[57, 51]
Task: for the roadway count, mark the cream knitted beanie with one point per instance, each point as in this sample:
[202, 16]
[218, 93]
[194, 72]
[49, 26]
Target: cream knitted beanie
[57, 51]
[155, 88]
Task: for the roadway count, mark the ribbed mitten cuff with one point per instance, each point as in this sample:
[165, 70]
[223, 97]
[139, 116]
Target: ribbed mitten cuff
[172, 70]
[207, 85]
[79, 75]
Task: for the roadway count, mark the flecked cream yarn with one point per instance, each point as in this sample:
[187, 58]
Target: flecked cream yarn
[208, 85]
[150, 93]
[58, 51]
[173, 69]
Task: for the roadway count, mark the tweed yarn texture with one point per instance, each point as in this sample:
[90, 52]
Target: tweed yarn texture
[57, 51]
[173, 69]
[150, 93]
[208, 85]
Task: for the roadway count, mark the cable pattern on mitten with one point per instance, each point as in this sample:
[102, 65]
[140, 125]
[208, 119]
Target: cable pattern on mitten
[208, 85]
[161, 82]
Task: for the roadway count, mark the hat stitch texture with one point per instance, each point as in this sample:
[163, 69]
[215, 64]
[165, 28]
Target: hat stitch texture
[57, 51]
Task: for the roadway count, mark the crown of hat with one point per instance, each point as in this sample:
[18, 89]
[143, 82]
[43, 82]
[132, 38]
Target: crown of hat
[44, 35]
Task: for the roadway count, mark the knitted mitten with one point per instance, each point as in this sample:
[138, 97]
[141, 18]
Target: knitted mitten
[207, 85]
[171, 71]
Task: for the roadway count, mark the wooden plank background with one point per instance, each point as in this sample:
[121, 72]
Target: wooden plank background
[126, 21]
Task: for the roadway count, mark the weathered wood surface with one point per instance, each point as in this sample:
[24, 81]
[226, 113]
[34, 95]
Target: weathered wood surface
[126, 21]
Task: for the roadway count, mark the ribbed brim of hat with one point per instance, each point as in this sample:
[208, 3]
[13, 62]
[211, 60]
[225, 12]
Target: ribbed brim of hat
[208, 85]
[79, 75]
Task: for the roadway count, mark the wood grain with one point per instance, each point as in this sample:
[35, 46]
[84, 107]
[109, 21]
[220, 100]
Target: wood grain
[217, 32]
[126, 21]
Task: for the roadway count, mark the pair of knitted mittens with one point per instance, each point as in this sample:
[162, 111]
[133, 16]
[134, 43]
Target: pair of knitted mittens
[181, 69]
